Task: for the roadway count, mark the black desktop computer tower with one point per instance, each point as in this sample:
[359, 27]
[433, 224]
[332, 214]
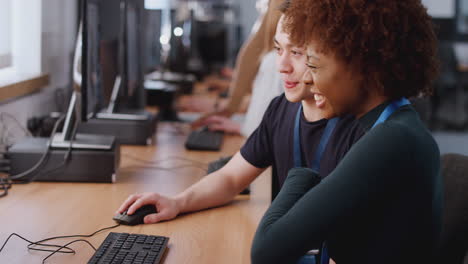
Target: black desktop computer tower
[131, 129]
[83, 165]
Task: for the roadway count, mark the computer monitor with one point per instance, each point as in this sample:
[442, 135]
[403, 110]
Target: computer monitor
[123, 17]
[124, 117]
[91, 90]
[132, 94]
[105, 21]
[87, 96]
[152, 58]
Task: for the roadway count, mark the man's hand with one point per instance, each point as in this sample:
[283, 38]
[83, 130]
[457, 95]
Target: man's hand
[167, 207]
[221, 123]
[196, 103]
[202, 120]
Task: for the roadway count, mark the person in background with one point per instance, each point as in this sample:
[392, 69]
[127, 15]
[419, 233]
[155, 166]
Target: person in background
[266, 86]
[382, 203]
[255, 72]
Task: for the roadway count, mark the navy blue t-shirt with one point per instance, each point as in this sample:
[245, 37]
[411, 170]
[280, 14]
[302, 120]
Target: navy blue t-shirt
[271, 144]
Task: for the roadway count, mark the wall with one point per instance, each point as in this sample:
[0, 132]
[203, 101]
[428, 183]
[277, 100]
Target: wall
[58, 37]
[440, 8]
[248, 15]
[5, 46]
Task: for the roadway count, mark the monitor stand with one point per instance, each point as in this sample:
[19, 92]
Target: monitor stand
[133, 128]
[83, 151]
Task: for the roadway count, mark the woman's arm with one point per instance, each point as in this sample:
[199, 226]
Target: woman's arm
[301, 217]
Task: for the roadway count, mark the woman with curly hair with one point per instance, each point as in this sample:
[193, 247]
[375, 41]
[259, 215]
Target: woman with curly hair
[382, 203]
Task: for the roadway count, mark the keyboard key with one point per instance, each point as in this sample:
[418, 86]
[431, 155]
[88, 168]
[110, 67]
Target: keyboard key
[124, 248]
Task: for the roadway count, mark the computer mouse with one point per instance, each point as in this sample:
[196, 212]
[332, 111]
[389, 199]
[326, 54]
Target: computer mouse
[137, 217]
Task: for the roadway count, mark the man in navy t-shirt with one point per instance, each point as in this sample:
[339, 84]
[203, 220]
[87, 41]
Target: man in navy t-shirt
[270, 145]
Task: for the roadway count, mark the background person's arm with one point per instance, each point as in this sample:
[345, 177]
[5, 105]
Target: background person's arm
[222, 123]
[249, 58]
[248, 61]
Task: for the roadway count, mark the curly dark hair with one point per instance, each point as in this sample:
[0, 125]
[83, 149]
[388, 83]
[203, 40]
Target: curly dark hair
[392, 43]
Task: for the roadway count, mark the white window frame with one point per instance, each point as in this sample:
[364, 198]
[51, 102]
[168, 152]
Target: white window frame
[26, 31]
[5, 37]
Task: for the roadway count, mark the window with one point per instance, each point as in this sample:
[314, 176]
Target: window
[440, 8]
[462, 17]
[20, 40]
[5, 36]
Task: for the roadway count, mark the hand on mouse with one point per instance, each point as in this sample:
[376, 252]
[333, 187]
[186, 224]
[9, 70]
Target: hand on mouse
[167, 207]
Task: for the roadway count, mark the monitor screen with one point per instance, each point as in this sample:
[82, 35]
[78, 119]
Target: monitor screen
[152, 40]
[133, 56]
[132, 70]
[91, 90]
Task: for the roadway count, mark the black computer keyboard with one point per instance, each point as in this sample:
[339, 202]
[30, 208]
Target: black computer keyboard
[125, 248]
[204, 139]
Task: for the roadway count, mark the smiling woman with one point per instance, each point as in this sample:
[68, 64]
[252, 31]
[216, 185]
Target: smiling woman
[388, 49]
[391, 49]
[382, 202]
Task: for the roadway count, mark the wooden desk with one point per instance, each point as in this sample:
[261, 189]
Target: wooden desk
[223, 235]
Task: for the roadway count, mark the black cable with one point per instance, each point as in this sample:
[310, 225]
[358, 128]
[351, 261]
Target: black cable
[59, 247]
[64, 246]
[5, 190]
[70, 236]
[5, 185]
[41, 161]
[27, 240]
[5, 165]
[2, 114]
[66, 158]
[5, 181]
[44, 156]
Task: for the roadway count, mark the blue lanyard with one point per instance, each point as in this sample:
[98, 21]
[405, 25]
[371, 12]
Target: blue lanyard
[394, 105]
[331, 124]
